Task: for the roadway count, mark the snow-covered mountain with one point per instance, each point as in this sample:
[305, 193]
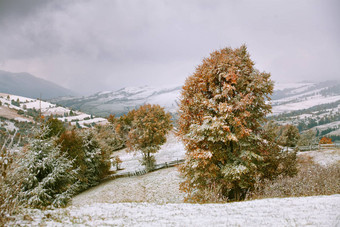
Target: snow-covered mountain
[298, 96]
[122, 101]
[307, 105]
[313, 106]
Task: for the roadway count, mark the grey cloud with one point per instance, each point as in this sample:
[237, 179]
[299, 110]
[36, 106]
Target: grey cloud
[102, 45]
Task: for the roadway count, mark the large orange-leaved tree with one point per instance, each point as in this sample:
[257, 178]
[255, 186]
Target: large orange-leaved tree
[222, 107]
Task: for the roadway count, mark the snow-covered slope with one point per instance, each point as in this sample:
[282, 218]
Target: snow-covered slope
[297, 103]
[21, 108]
[313, 106]
[299, 96]
[301, 211]
[122, 101]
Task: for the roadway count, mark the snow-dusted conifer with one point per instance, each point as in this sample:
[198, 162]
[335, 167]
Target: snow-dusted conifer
[223, 105]
[96, 159]
[47, 175]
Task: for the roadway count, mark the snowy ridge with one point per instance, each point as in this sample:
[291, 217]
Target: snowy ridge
[11, 104]
[122, 101]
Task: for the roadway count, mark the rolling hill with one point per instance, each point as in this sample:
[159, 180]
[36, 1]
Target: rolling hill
[27, 85]
[307, 105]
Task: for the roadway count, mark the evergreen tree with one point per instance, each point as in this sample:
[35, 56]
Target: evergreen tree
[97, 160]
[46, 175]
[222, 107]
[55, 126]
[149, 128]
[307, 138]
[290, 136]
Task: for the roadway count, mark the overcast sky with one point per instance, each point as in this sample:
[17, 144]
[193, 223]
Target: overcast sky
[90, 46]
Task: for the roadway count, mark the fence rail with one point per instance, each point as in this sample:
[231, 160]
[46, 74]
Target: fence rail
[318, 147]
[142, 172]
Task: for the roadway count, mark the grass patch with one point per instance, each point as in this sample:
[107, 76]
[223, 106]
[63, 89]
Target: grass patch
[311, 180]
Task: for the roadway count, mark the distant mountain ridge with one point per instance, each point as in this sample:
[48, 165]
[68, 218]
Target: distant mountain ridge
[307, 105]
[27, 85]
[123, 100]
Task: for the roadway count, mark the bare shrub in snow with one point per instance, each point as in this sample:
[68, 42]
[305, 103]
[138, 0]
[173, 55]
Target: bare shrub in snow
[311, 180]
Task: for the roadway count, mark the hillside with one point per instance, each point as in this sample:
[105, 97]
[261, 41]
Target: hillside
[23, 109]
[307, 105]
[25, 84]
[122, 101]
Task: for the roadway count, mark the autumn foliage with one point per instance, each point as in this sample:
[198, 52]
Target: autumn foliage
[149, 126]
[222, 107]
[325, 140]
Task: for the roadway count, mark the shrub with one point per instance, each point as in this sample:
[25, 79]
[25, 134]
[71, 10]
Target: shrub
[92, 161]
[325, 140]
[109, 138]
[9, 187]
[290, 136]
[56, 127]
[311, 180]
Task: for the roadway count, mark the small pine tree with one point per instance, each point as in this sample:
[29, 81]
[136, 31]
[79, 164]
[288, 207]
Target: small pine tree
[290, 136]
[47, 177]
[55, 126]
[97, 159]
[308, 138]
[149, 128]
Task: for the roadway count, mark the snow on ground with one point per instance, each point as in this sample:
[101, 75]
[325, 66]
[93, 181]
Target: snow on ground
[326, 126]
[303, 211]
[283, 86]
[15, 97]
[305, 104]
[36, 104]
[156, 187]
[323, 157]
[56, 110]
[8, 125]
[172, 150]
[74, 118]
[296, 97]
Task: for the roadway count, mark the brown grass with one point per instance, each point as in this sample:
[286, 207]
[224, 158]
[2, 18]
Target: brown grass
[311, 180]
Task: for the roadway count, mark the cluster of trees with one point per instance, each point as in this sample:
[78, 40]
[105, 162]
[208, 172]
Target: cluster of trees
[61, 161]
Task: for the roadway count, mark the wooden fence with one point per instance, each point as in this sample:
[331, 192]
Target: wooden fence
[142, 172]
[318, 147]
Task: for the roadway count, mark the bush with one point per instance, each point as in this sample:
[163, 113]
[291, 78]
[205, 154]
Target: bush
[9, 188]
[325, 140]
[311, 180]
[92, 160]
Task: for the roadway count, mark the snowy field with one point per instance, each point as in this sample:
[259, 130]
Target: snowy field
[172, 150]
[323, 157]
[304, 104]
[303, 211]
[154, 199]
